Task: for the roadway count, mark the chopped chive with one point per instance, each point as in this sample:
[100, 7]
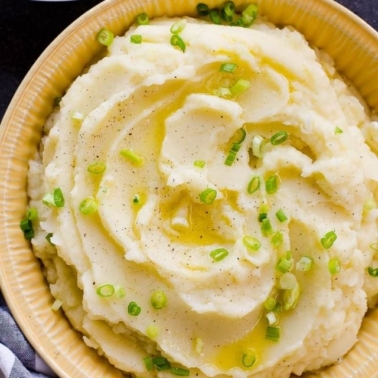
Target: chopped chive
[202, 9]
[281, 216]
[106, 290]
[266, 227]
[136, 199]
[48, 199]
[262, 216]
[178, 26]
[48, 238]
[199, 163]
[176, 40]
[304, 264]
[219, 254]
[270, 303]
[249, 15]
[271, 317]
[88, 206]
[338, 130]
[136, 39]
[240, 86]
[271, 184]
[228, 67]
[287, 281]
[97, 167]
[239, 136]
[208, 196]
[279, 138]
[152, 331]
[148, 363]
[32, 213]
[373, 272]
[131, 156]
[161, 363]
[158, 300]
[273, 333]
[214, 16]
[182, 372]
[257, 146]
[290, 297]
[105, 37]
[277, 239]
[229, 10]
[254, 185]
[120, 291]
[142, 19]
[133, 309]
[249, 358]
[334, 265]
[25, 224]
[230, 158]
[251, 243]
[328, 239]
[58, 197]
[284, 265]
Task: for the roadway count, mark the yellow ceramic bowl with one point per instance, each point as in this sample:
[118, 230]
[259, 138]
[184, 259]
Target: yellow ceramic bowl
[352, 44]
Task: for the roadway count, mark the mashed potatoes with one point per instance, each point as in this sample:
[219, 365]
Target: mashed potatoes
[214, 208]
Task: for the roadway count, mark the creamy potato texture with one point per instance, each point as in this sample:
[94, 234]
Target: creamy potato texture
[259, 265]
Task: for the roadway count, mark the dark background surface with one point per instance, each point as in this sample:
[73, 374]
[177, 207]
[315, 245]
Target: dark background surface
[28, 27]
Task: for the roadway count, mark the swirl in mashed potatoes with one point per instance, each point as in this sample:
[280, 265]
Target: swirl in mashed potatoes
[218, 216]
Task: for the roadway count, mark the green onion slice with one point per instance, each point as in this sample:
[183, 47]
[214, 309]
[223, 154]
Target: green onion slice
[373, 272]
[48, 199]
[273, 333]
[136, 39]
[88, 206]
[152, 331]
[249, 15]
[57, 101]
[338, 130]
[281, 216]
[290, 297]
[161, 363]
[266, 227]
[374, 246]
[271, 317]
[257, 146]
[178, 26]
[182, 372]
[142, 19]
[97, 167]
[279, 137]
[328, 239]
[249, 358]
[251, 243]
[239, 87]
[105, 37]
[228, 67]
[271, 184]
[229, 9]
[120, 291]
[32, 213]
[334, 265]
[202, 9]
[219, 254]
[270, 303]
[148, 363]
[26, 224]
[199, 163]
[58, 197]
[158, 300]
[131, 156]
[284, 265]
[254, 185]
[208, 196]
[214, 16]
[56, 305]
[133, 309]
[177, 41]
[287, 281]
[304, 264]
[106, 290]
[277, 239]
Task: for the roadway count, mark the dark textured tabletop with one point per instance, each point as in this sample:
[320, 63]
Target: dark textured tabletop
[27, 28]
